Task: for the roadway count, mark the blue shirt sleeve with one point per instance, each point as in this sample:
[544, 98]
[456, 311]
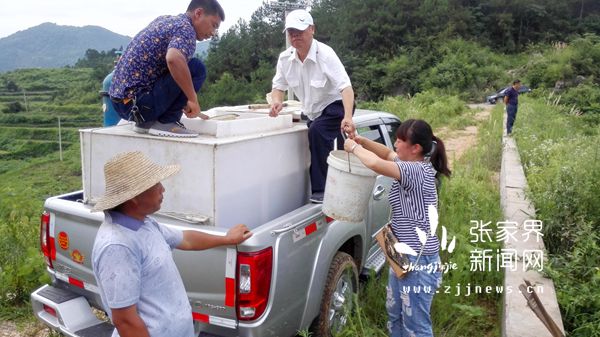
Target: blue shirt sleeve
[184, 40]
[172, 236]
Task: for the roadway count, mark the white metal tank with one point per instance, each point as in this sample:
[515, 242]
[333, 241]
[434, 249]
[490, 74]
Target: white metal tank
[248, 170]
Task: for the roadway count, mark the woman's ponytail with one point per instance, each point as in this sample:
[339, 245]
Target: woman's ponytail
[438, 158]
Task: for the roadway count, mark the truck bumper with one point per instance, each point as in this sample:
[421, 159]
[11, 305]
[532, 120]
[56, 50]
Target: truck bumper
[68, 313]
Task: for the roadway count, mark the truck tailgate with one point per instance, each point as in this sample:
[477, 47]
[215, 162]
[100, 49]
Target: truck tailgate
[209, 279]
[73, 228]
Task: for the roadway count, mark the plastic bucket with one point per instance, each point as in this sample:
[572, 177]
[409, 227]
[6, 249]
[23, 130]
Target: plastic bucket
[348, 187]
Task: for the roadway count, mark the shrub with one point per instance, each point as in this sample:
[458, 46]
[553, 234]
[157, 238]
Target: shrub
[577, 67]
[437, 108]
[585, 98]
[13, 107]
[22, 268]
[12, 86]
[226, 91]
[465, 68]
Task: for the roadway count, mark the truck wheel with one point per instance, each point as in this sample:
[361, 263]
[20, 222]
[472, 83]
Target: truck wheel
[337, 302]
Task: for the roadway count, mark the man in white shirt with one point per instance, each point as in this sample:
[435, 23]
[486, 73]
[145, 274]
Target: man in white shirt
[315, 74]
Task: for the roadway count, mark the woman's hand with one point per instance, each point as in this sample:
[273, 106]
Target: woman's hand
[350, 145]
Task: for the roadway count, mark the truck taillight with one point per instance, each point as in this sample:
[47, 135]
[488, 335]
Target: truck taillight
[254, 283]
[46, 241]
[50, 310]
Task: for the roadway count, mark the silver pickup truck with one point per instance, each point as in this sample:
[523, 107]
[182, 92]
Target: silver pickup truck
[299, 270]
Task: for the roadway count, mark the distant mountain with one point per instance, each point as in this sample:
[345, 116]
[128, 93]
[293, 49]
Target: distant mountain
[52, 46]
[202, 48]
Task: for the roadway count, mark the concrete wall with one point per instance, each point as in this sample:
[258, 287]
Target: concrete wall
[518, 318]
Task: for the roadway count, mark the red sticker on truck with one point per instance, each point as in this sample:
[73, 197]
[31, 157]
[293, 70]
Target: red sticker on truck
[77, 256]
[304, 232]
[63, 240]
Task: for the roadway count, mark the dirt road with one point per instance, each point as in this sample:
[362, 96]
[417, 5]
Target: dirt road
[459, 141]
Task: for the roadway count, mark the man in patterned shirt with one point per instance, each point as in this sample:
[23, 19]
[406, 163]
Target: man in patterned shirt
[157, 79]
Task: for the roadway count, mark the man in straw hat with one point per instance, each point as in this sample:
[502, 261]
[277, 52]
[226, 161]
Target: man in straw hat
[139, 283]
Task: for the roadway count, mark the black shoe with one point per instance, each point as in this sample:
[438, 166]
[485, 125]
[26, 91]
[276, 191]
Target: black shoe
[317, 198]
[142, 127]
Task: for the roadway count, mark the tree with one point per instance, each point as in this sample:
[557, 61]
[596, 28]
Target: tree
[403, 46]
[241, 50]
[12, 86]
[13, 107]
[102, 62]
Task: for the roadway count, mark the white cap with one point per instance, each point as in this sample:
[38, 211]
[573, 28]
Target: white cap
[298, 19]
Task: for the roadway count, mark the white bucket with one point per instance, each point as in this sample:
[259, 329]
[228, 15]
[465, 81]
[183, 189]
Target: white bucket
[348, 187]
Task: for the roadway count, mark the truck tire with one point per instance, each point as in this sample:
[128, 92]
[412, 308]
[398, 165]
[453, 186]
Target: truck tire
[337, 302]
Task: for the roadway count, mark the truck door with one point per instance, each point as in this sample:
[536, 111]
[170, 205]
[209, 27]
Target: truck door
[379, 208]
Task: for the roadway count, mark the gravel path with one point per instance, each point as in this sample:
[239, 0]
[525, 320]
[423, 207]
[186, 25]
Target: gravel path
[10, 329]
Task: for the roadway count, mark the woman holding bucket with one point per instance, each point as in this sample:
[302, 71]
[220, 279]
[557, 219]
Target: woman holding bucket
[419, 159]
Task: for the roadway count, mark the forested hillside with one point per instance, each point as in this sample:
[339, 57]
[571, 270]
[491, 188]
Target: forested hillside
[403, 47]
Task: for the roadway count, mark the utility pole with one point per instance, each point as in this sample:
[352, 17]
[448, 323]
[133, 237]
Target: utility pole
[286, 7]
[25, 100]
[60, 152]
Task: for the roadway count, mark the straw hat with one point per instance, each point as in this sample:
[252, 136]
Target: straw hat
[129, 174]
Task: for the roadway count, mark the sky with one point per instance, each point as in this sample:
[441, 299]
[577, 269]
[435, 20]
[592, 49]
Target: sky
[122, 17]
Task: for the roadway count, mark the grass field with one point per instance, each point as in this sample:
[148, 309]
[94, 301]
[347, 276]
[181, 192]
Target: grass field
[30, 172]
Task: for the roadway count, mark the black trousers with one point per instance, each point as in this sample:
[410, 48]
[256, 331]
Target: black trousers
[165, 102]
[321, 134]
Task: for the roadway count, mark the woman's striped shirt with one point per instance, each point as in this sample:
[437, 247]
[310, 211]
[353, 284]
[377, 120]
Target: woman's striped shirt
[410, 198]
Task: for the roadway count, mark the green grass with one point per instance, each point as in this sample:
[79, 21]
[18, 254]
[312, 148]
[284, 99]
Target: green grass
[24, 143]
[436, 108]
[561, 158]
[471, 194]
[30, 169]
[24, 185]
